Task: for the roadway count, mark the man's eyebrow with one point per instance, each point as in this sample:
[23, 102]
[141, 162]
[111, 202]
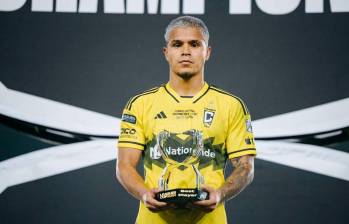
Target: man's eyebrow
[174, 41]
[180, 41]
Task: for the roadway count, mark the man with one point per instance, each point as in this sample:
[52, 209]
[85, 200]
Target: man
[185, 103]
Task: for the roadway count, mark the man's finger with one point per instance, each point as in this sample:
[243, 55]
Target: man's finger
[205, 202]
[155, 190]
[156, 203]
[213, 194]
[148, 199]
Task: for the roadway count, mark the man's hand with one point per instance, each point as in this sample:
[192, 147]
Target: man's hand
[154, 205]
[211, 203]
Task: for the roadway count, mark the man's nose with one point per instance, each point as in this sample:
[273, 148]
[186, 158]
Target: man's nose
[186, 49]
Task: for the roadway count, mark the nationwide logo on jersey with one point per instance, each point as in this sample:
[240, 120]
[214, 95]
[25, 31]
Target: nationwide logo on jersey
[160, 115]
[179, 151]
[208, 117]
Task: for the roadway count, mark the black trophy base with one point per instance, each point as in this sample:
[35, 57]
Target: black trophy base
[181, 196]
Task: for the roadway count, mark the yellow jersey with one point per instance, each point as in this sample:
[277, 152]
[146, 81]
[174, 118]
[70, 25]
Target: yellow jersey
[225, 124]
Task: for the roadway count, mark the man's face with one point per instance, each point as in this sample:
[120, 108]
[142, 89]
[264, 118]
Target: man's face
[186, 51]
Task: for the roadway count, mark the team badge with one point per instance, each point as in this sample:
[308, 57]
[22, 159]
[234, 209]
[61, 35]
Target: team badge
[208, 117]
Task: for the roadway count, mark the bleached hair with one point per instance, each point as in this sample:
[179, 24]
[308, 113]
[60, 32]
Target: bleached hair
[187, 21]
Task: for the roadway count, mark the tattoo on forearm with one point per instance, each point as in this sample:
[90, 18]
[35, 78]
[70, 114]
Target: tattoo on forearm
[241, 176]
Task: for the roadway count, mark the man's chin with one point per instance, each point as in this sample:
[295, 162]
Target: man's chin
[185, 75]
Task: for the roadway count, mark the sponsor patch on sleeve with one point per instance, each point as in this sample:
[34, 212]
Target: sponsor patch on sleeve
[129, 118]
[249, 125]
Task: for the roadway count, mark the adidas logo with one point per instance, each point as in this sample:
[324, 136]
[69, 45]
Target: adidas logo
[160, 115]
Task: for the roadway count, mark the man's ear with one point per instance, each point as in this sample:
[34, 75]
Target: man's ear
[164, 50]
[208, 52]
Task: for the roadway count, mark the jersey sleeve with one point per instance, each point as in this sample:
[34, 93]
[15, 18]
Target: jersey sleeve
[131, 128]
[240, 139]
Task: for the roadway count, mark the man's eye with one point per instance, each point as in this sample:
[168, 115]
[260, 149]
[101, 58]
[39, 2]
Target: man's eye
[195, 44]
[176, 45]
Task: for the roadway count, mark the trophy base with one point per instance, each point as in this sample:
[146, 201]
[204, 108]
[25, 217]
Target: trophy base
[181, 196]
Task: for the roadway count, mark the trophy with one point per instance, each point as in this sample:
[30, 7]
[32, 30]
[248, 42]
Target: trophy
[189, 159]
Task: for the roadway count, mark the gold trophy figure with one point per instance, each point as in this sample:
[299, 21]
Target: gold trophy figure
[180, 196]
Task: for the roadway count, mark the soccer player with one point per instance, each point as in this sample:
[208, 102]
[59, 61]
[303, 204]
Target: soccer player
[186, 103]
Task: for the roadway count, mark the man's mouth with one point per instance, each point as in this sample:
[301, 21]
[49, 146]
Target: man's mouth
[186, 62]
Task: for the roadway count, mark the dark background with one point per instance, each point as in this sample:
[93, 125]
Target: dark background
[97, 61]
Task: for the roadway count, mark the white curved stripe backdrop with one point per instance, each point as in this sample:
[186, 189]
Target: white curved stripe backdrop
[311, 158]
[55, 160]
[323, 118]
[53, 114]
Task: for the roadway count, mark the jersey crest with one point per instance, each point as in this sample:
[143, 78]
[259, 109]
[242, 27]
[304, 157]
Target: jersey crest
[208, 117]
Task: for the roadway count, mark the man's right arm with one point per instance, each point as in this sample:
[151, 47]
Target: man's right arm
[127, 174]
[130, 179]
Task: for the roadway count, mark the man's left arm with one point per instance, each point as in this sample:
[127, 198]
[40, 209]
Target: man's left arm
[241, 176]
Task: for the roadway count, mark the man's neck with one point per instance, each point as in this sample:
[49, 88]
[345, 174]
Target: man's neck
[187, 87]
